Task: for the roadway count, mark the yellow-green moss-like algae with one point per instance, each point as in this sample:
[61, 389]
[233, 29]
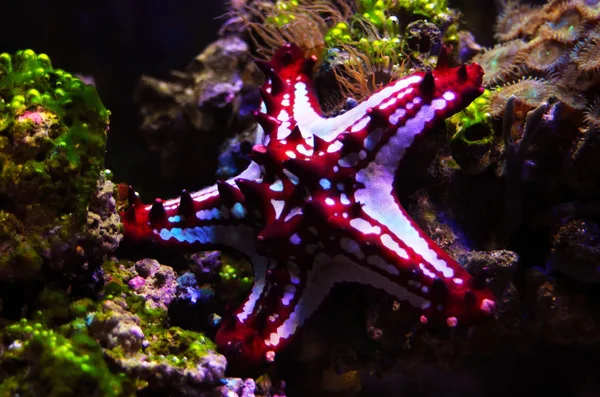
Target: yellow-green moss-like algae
[52, 142]
[57, 365]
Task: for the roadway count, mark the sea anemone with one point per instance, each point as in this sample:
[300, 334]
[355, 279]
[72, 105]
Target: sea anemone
[301, 22]
[358, 76]
[591, 7]
[575, 79]
[499, 62]
[528, 92]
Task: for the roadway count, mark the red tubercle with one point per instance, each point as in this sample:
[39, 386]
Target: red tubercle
[289, 62]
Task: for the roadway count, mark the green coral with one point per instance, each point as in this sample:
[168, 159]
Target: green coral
[385, 17]
[472, 137]
[372, 30]
[167, 341]
[375, 11]
[436, 11]
[284, 12]
[120, 273]
[52, 142]
[383, 31]
[62, 349]
[477, 113]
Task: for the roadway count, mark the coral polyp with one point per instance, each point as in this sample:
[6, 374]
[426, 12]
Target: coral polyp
[517, 21]
[565, 21]
[543, 55]
[591, 115]
[573, 99]
[549, 52]
[571, 77]
[587, 55]
[528, 92]
[499, 62]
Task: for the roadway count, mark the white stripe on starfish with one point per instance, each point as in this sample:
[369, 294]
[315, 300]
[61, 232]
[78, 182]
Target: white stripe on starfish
[325, 273]
[329, 129]
[377, 195]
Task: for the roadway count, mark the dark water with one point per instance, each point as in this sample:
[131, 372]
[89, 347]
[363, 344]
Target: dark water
[115, 41]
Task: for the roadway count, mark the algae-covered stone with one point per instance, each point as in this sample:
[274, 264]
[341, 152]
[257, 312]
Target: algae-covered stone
[474, 143]
[52, 142]
[57, 365]
[132, 325]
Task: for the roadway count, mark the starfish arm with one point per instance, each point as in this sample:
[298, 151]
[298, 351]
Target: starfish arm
[403, 261]
[213, 218]
[289, 96]
[294, 290]
[267, 322]
[386, 125]
[356, 119]
[357, 249]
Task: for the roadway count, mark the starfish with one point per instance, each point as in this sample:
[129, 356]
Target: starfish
[317, 207]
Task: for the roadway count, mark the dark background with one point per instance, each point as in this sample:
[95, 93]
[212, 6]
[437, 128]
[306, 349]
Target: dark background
[116, 41]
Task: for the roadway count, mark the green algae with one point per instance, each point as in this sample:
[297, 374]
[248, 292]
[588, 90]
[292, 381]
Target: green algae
[57, 365]
[182, 348]
[52, 143]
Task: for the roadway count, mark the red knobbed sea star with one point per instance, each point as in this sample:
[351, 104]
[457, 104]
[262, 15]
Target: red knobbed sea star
[317, 207]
